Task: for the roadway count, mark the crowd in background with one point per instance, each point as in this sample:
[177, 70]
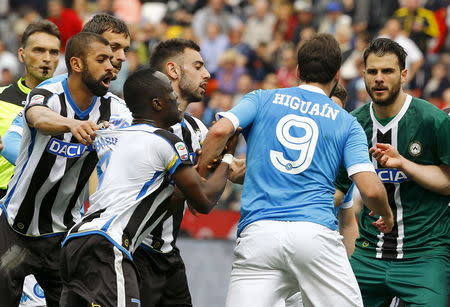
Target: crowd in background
[253, 44]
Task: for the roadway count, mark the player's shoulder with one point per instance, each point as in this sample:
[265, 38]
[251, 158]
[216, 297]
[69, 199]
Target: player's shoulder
[426, 112]
[362, 111]
[194, 122]
[115, 100]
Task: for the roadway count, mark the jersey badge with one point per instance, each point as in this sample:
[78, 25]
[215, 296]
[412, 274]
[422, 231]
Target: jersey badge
[182, 151]
[36, 99]
[415, 148]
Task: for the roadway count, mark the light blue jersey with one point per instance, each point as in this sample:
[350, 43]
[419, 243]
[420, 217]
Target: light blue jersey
[54, 79]
[297, 138]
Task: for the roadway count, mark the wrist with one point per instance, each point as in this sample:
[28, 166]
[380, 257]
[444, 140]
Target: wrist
[227, 158]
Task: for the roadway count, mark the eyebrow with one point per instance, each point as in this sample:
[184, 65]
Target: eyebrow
[199, 62]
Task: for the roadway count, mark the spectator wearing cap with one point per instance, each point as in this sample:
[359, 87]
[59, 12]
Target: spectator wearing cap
[334, 18]
[259, 26]
[305, 18]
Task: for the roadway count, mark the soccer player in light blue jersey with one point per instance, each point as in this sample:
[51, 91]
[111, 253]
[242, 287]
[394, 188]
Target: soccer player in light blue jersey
[287, 235]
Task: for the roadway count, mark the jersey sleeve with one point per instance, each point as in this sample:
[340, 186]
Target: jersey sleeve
[244, 113]
[443, 140]
[173, 152]
[42, 97]
[356, 154]
[348, 199]
[12, 139]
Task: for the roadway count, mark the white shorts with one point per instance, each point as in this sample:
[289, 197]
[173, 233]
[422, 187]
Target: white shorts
[32, 295]
[274, 259]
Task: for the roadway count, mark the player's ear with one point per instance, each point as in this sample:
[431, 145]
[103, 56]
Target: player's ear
[76, 64]
[172, 70]
[157, 104]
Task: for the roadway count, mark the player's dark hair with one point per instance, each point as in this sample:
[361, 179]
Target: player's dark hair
[139, 88]
[79, 44]
[382, 46]
[39, 26]
[101, 23]
[167, 50]
[341, 93]
[319, 59]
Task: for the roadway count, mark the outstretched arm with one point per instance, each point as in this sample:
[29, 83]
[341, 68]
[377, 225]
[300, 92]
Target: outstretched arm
[214, 144]
[435, 178]
[50, 122]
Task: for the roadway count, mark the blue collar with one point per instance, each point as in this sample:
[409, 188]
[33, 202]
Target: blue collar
[81, 114]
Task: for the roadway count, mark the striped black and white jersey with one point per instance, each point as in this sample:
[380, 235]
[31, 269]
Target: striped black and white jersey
[49, 183]
[134, 189]
[163, 237]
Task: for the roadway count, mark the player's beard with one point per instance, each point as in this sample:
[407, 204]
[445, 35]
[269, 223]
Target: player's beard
[188, 90]
[95, 86]
[393, 93]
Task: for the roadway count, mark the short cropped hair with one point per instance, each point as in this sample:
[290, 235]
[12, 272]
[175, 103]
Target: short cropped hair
[167, 50]
[44, 26]
[141, 87]
[78, 46]
[341, 93]
[101, 23]
[382, 46]
[319, 59]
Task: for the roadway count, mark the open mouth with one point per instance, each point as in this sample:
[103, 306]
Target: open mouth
[45, 70]
[106, 81]
[379, 90]
[204, 86]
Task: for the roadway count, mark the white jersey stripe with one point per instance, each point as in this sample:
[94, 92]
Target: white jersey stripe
[120, 279]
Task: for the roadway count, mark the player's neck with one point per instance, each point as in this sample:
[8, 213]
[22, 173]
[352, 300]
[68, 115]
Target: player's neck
[327, 88]
[391, 110]
[81, 95]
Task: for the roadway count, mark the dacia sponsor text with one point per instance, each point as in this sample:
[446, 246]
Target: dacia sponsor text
[391, 175]
[65, 149]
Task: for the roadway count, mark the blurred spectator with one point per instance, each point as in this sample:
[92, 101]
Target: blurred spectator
[260, 65]
[215, 13]
[418, 23]
[446, 99]
[305, 18]
[259, 27]
[362, 97]
[437, 84]
[334, 18]
[287, 73]
[9, 65]
[229, 70]
[26, 16]
[305, 34]
[104, 6]
[270, 82]
[128, 10]
[235, 37]
[212, 46]
[344, 35]
[415, 59]
[286, 21]
[371, 15]
[219, 102]
[244, 86]
[6, 77]
[66, 19]
[349, 68]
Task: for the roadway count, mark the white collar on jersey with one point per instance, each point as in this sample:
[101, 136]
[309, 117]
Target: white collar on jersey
[312, 88]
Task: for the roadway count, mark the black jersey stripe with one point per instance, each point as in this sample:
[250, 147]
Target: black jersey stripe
[41, 173]
[45, 211]
[186, 137]
[87, 219]
[136, 219]
[87, 168]
[389, 246]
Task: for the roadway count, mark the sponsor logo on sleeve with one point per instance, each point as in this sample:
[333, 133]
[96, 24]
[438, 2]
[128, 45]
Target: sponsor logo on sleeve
[36, 100]
[182, 151]
[65, 149]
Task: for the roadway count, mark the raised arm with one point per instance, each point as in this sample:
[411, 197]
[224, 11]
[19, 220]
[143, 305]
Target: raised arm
[214, 143]
[435, 178]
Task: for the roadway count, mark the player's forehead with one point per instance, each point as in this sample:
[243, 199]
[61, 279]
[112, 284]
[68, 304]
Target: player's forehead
[97, 49]
[192, 56]
[387, 60]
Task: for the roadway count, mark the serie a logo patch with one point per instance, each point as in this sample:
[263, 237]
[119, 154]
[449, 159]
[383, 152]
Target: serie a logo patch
[182, 151]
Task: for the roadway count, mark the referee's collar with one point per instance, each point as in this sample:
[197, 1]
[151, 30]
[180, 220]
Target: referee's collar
[312, 88]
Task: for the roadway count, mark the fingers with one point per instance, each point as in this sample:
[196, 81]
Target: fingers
[383, 146]
[84, 131]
